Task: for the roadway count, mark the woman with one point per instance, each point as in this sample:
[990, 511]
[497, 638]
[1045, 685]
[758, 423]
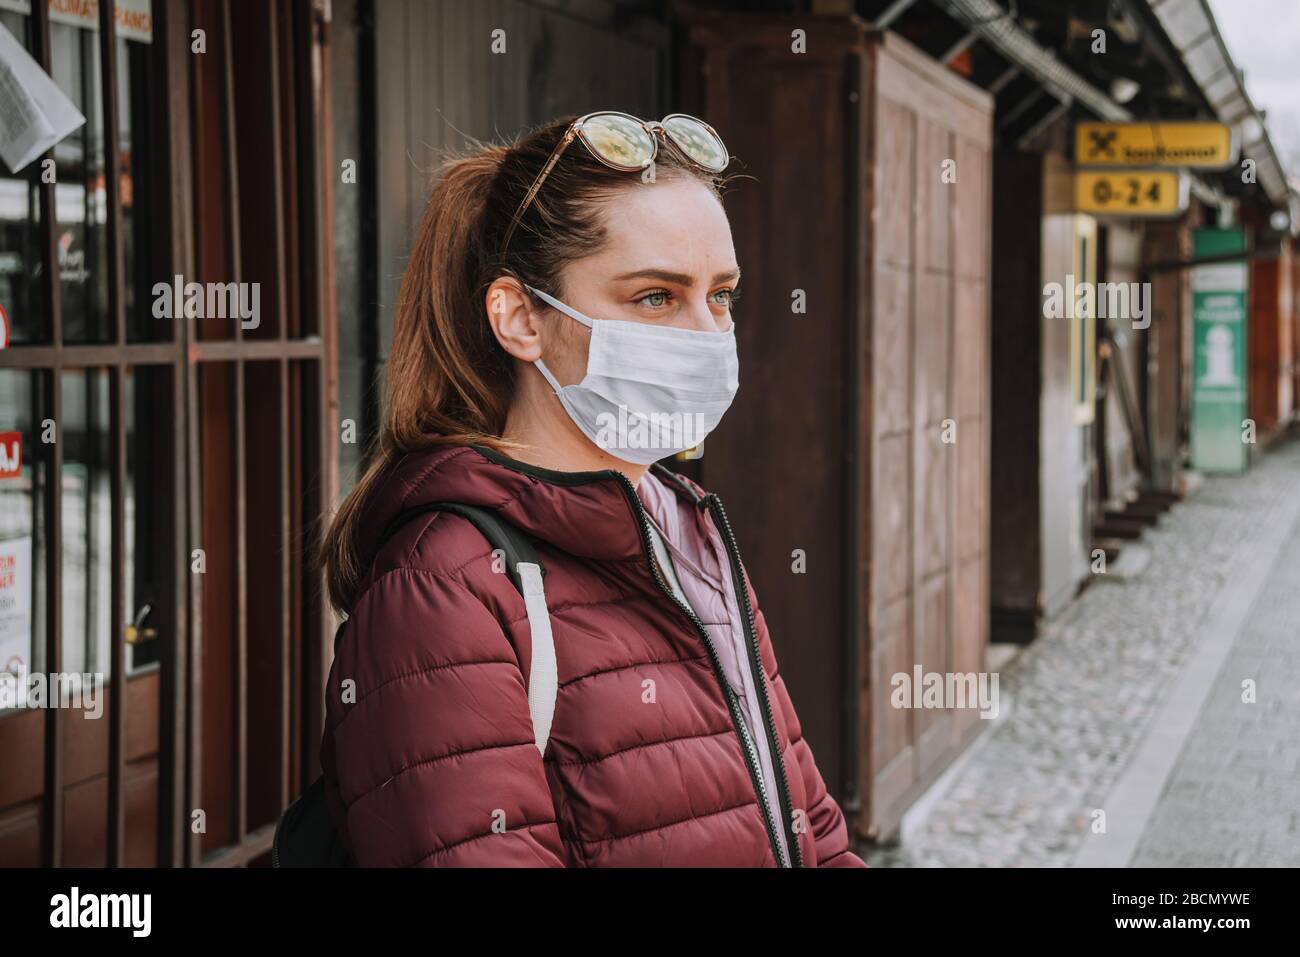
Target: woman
[564, 322]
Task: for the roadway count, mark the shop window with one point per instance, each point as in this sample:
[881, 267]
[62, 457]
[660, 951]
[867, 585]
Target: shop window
[81, 241]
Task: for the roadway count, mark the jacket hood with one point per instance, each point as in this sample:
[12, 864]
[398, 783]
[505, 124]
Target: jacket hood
[587, 514]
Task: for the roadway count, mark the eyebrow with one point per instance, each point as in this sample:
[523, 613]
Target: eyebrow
[680, 278]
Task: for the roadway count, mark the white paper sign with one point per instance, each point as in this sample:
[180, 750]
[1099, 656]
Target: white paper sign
[16, 605]
[34, 113]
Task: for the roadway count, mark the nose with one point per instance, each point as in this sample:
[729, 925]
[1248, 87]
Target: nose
[702, 317]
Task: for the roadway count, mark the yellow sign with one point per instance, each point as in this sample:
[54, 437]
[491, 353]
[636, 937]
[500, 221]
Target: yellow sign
[1197, 145]
[1139, 192]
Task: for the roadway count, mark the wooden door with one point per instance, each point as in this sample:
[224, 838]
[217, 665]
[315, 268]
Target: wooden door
[930, 199]
[786, 457]
[864, 340]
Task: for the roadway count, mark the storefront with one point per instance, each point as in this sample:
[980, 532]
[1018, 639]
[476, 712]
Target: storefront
[166, 282]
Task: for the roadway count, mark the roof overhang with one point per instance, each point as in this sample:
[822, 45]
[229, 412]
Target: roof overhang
[1190, 27]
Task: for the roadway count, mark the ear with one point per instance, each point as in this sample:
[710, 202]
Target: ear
[509, 312]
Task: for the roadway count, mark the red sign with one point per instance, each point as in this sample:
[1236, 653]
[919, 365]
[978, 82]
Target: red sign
[4, 328]
[11, 454]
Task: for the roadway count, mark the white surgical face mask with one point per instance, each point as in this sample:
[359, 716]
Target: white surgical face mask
[650, 391]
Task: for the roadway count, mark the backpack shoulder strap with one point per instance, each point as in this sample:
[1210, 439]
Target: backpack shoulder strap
[526, 571]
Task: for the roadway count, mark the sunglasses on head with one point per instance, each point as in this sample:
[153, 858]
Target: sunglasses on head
[623, 142]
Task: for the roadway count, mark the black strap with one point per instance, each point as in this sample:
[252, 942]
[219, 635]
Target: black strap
[514, 544]
[500, 534]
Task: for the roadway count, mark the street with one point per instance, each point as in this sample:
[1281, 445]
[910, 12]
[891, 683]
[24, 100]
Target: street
[1134, 703]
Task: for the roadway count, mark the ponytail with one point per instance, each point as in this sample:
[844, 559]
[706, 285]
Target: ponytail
[447, 381]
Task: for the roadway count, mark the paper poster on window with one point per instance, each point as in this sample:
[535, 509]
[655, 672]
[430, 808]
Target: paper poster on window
[134, 17]
[34, 113]
[11, 455]
[16, 605]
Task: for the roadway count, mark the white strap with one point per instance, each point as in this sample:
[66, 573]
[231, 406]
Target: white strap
[564, 308]
[543, 678]
[546, 374]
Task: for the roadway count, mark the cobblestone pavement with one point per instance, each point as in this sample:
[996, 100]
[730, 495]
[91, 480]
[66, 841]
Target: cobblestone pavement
[1083, 693]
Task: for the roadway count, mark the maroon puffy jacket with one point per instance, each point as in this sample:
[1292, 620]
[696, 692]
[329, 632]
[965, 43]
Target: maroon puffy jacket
[430, 760]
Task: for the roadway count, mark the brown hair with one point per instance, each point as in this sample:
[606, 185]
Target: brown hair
[447, 379]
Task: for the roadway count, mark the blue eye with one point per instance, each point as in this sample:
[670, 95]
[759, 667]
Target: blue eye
[660, 295]
[730, 296]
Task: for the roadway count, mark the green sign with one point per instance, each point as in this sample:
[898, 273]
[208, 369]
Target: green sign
[1219, 362]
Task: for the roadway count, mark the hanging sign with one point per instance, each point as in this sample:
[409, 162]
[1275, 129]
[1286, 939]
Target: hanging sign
[1140, 192]
[1193, 145]
[1219, 362]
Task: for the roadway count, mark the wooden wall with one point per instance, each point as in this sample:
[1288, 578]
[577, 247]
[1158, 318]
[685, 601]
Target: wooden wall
[1288, 346]
[1170, 329]
[1270, 343]
[1293, 371]
[930, 348]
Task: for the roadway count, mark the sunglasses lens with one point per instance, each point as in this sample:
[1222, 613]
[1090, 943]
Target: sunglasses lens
[619, 140]
[698, 142]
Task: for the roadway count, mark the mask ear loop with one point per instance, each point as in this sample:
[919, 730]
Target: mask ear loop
[567, 310]
[546, 374]
[571, 313]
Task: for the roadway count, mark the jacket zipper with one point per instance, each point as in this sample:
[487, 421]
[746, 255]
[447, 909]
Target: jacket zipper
[756, 665]
[751, 752]
[733, 706]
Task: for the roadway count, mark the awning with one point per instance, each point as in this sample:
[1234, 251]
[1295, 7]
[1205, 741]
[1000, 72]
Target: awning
[1191, 29]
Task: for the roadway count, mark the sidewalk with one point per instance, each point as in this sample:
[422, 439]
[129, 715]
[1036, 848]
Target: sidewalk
[1234, 796]
[1130, 703]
